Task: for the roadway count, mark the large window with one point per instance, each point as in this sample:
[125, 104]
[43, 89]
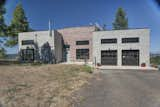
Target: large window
[27, 42]
[84, 42]
[108, 41]
[130, 40]
[82, 53]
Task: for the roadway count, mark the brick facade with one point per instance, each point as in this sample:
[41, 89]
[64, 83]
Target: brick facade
[71, 35]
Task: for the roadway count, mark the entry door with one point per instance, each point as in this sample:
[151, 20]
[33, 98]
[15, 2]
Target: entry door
[130, 57]
[109, 57]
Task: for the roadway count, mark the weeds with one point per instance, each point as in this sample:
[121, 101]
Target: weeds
[41, 86]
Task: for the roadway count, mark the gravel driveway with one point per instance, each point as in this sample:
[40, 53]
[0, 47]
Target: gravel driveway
[118, 88]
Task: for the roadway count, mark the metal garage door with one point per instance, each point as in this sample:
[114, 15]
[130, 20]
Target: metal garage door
[130, 57]
[109, 57]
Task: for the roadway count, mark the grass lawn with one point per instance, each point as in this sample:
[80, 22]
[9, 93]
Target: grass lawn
[41, 86]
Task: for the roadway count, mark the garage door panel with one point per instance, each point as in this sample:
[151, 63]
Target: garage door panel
[109, 57]
[130, 57]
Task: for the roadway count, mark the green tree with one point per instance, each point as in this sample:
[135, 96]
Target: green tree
[121, 21]
[3, 26]
[2, 2]
[155, 60]
[19, 24]
[2, 53]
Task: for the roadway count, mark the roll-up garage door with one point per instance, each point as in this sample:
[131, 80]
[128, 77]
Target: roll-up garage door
[109, 57]
[130, 57]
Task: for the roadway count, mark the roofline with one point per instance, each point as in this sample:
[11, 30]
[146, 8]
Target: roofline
[124, 29]
[36, 31]
[72, 27]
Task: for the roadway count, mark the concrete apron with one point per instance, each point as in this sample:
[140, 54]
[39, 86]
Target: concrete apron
[126, 68]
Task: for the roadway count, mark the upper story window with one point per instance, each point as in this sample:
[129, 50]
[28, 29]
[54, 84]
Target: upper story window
[130, 40]
[27, 42]
[84, 42]
[108, 41]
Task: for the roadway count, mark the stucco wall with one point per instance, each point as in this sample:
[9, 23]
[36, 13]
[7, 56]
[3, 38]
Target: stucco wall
[71, 35]
[143, 45]
[41, 38]
[55, 41]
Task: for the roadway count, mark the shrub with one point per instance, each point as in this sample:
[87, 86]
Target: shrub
[155, 60]
[87, 69]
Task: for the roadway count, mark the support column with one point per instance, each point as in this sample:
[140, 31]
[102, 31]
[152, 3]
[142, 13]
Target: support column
[119, 55]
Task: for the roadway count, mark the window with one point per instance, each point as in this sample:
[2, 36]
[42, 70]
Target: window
[108, 41]
[66, 46]
[28, 55]
[82, 53]
[27, 42]
[130, 40]
[85, 42]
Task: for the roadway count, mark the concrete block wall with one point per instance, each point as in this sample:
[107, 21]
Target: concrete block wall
[143, 45]
[41, 37]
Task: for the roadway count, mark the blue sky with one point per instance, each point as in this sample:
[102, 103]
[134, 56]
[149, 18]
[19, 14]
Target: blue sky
[66, 13]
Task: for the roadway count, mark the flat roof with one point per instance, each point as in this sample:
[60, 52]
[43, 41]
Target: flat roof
[74, 27]
[124, 29]
[65, 28]
[36, 31]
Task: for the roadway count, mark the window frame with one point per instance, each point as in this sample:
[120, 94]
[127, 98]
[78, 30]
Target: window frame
[82, 42]
[130, 40]
[109, 41]
[27, 42]
[80, 54]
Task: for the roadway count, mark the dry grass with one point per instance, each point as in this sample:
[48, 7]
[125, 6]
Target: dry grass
[40, 86]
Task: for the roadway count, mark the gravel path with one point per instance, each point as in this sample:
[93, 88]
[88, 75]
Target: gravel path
[116, 88]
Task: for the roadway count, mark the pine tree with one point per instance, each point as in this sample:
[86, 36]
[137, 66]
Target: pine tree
[19, 24]
[2, 2]
[2, 22]
[121, 21]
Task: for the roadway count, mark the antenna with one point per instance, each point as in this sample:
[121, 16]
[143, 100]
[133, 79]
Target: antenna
[98, 25]
[50, 28]
[90, 23]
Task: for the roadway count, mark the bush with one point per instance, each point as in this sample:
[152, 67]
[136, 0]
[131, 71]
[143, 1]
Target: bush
[87, 69]
[155, 60]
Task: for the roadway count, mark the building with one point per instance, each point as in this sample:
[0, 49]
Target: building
[31, 43]
[88, 44]
[122, 47]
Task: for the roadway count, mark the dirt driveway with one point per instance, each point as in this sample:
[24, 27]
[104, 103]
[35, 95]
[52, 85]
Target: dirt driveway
[121, 89]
